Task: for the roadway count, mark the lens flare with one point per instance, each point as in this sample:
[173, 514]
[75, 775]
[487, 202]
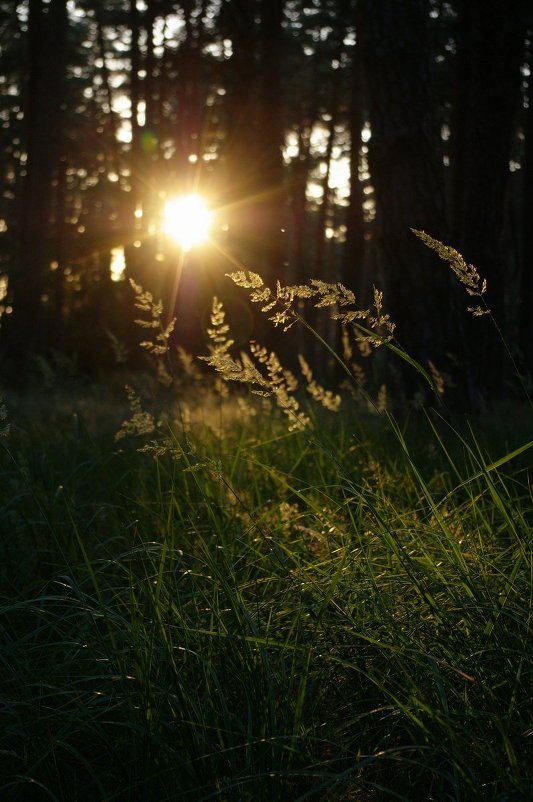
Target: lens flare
[187, 220]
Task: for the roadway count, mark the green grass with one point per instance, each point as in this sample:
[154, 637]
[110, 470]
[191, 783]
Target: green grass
[337, 614]
[248, 601]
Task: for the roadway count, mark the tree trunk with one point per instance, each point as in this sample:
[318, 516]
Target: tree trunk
[270, 192]
[352, 269]
[299, 177]
[526, 295]
[26, 332]
[255, 136]
[406, 172]
[490, 42]
[254, 175]
[321, 268]
[111, 120]
[134, 264]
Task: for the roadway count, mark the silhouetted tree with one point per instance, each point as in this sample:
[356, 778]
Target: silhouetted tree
[353, 263]
[254, 133]
[216, 92]
[490, 50]
[526, 286]
[44, 126]
[406, 171]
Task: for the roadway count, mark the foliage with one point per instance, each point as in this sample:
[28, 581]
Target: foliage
[264, 615]
[219, 605]
[260, 105]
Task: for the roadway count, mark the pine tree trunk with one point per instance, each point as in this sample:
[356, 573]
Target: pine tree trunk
[490, 50]
[526, 294]
[27, 330]
[353, 269]
[406, 172]
[255, 197]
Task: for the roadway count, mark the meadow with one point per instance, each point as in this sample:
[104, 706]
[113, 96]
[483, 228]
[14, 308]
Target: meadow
[235, 589]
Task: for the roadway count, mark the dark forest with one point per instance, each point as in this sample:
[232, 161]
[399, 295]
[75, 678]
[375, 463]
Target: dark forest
[266, 417]
[319, 133]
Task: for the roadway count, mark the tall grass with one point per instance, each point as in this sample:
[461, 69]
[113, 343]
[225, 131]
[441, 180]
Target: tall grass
[250, 597]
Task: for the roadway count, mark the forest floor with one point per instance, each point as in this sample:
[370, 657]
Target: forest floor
[210, 606]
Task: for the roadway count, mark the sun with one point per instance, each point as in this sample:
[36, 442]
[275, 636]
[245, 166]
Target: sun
[187, 220]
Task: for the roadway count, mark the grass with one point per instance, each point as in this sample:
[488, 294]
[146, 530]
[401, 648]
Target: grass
[241, 596]
[335, 614]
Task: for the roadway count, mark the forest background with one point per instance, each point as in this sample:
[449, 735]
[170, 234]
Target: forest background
[316, 585]
[319, 132]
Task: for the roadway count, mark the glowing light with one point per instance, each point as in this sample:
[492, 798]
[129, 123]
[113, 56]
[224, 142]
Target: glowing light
[118, 264]
[187, 220]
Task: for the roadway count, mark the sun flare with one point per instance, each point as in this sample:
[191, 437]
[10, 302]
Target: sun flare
[187, 220]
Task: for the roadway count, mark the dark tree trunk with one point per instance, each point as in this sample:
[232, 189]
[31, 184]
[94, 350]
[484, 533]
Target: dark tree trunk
[46, 43]
[490, 42]
[189, 116]
[111, 120]
[253, 150]
[319, 257]
[321, 268]
[135, 97]
[60, 252]
[299, 177]
[134, 265]
[254, 177]
[353, 270]
[406, 171]
[526, 295]
[151, 99]
[238, 148]
[270, 192]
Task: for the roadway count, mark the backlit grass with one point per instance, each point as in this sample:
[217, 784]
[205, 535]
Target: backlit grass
[339, 614]
[233, 593]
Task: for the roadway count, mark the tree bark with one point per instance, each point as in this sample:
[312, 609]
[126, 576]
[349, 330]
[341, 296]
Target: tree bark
[134, 264]
[253, 151]
[353, 269]
[406, 171]
[526, 294]
[111, 120]
[270, 191]
[26, 331]
[490, 44]
[299, 177]
[255, 195]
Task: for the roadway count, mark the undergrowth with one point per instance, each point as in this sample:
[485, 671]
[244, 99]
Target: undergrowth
[247, 595]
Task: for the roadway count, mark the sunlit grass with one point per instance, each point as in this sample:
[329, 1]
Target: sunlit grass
[262, 615]
[253, 597]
